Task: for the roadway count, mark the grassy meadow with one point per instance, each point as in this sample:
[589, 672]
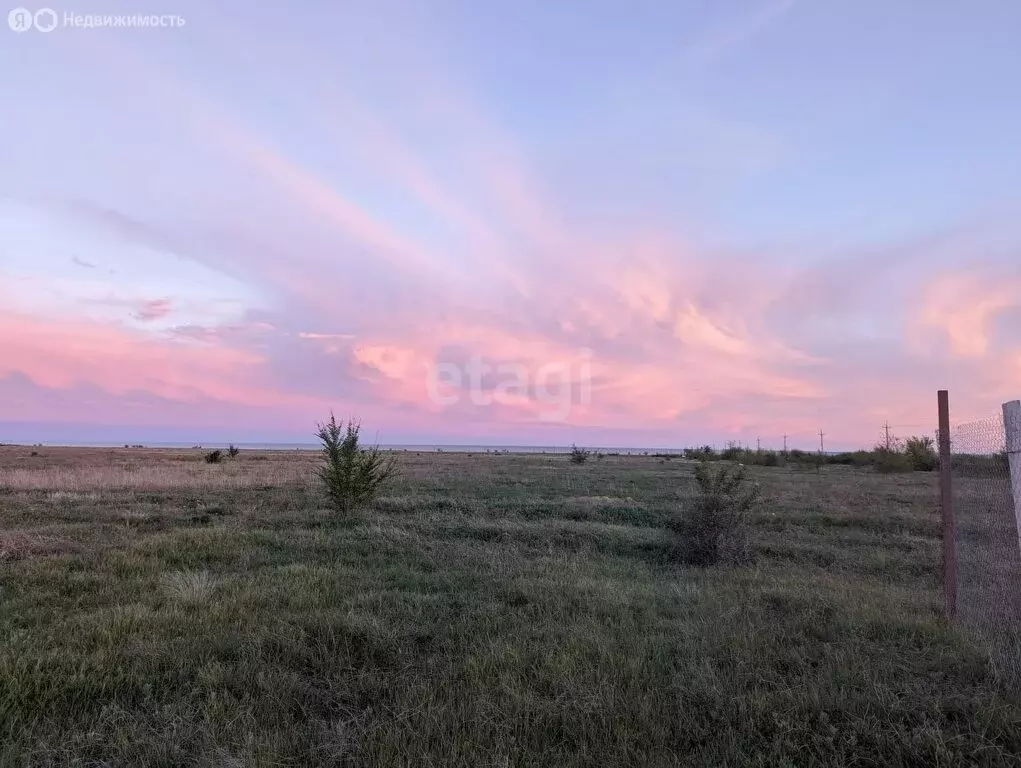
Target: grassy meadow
[488, 610]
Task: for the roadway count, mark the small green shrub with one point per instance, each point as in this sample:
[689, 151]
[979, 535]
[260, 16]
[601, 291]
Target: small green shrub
[352, 476]
[233, 451]
[716, 530]
[214, 457]
[579, 455]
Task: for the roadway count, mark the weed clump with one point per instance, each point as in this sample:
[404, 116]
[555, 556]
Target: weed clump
[717, 529]
[579, 455]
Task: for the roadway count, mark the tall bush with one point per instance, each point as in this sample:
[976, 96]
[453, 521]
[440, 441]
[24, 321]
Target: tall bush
[352, 475]
[717, 529]
[921, 452]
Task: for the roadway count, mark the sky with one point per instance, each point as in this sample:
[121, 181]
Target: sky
[651, 224]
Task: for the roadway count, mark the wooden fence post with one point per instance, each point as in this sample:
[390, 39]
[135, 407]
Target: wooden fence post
[1012, 429]
[947, 506]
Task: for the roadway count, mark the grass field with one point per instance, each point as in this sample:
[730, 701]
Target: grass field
[491, 610]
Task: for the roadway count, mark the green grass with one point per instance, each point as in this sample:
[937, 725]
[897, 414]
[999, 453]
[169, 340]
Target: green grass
[490, 610]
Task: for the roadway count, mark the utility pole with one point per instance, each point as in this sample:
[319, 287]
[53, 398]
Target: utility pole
[822, 444]
[785, 444]
[886, 426]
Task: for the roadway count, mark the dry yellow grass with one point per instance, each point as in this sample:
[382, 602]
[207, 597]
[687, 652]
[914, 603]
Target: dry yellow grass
[81, 471]
[15, 545]
[61, 479]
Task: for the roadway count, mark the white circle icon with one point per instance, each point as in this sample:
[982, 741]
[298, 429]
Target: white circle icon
[45, 19]
[20, 19]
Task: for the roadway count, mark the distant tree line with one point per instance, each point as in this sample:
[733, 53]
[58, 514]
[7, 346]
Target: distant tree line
[916, 454]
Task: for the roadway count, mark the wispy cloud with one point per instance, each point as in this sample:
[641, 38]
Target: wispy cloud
[154, 309]
[738, 30]
[961, 308]
[325, 336]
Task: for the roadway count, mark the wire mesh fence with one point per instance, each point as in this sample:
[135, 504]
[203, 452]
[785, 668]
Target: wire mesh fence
[987, 543]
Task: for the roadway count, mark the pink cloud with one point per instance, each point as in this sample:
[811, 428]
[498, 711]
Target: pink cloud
[60, 354]
[961, 307]
[154, 309]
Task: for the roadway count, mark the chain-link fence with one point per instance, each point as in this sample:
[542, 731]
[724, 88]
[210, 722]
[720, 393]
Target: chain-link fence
[987, 543]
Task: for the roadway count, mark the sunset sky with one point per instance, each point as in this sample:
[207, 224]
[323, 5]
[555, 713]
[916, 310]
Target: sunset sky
[713, 220]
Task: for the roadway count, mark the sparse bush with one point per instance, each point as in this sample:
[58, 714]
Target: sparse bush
[579, 455]
[890, 460]
[921, 453]
[716, 530]
[705, 453]
[352, 476]
[233, 451]
[214, 457]
[853, 458]
[733, 452]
